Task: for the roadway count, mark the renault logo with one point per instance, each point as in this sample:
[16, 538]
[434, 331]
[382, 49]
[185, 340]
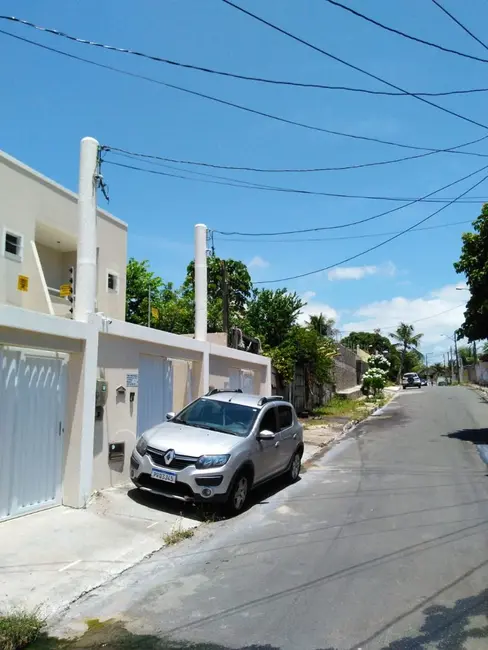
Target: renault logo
[168, 456]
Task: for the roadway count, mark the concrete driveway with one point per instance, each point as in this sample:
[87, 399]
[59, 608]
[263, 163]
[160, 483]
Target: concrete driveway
[381, 545]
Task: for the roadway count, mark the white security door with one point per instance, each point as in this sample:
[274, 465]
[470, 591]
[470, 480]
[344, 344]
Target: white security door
[155, 397]
[32, 410]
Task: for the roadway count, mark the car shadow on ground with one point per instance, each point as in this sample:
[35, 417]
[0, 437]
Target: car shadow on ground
[476, 436]
[201, 511]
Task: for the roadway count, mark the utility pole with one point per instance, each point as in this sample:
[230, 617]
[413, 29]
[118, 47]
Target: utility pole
[225, 297]
[86, 252]
[201, 282]
[457, 359]
[452, 365]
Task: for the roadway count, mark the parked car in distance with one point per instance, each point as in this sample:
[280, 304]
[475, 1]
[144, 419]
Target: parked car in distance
[411, 380]
[218, 448]
[441, 381]
[423, 381]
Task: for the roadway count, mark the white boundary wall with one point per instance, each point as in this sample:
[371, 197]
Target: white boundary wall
[111, 349]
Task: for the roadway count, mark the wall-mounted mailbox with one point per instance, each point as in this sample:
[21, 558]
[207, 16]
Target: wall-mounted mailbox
[116, 452]
[101, 393]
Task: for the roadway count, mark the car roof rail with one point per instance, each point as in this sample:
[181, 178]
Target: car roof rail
[272, 398]
[215, 391]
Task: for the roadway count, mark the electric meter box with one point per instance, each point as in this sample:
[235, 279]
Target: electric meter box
[101, 393]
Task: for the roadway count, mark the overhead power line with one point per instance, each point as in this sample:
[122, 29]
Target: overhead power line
[271, 188]
[240, 107]
[463, 27]
[235, 75]
[383, 243]
[410, 36]
[418, 320]
[293, 170]
[342, 238]
[298, 39]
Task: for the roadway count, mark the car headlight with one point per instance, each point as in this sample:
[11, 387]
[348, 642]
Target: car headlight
[141, 446]
[205, 462]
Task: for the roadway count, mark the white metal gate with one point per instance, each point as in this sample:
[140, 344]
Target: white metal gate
[155, 394]
[32, 410]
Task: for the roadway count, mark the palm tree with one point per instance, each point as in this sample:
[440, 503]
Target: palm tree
[406, 340]
[321, 324]
[438, 369]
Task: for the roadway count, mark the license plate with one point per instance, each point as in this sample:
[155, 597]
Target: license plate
[163, 475]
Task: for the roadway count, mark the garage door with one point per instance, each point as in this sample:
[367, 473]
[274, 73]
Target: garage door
[155, 397]
[32, 407]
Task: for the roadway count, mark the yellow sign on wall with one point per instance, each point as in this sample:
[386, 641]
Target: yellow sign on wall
[65, 290]
[23, 283]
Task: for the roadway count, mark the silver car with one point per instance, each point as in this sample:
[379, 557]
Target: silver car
[218, 448]
[411, 380]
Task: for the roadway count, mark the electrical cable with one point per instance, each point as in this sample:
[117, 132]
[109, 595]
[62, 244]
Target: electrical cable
[383, 243]
[250, 186]
[463, 27]
[293, 170]
[341, 238]
[351, 65]
[418, 320]
[409, 36]
[233, 104]
[242, 77]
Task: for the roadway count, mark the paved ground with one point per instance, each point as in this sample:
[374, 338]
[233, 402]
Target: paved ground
[48, 559]
[382, 544]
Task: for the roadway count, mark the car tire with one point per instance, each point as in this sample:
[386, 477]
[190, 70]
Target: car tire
[238, 494]
[403, 387]
[293, 471]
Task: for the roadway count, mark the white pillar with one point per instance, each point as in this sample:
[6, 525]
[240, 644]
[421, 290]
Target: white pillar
[201, 282]
[86, 265]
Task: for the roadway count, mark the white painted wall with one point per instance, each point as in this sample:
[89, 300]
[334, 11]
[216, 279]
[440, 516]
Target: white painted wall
[29, 200]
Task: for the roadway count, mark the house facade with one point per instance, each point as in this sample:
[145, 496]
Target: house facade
[75, 395]
[38, 254]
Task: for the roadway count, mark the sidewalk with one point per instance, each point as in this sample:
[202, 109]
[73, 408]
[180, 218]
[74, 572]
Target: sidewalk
[51, 558]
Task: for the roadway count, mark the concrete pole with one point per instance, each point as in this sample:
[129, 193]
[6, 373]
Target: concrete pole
[201, 282]
[86, 264]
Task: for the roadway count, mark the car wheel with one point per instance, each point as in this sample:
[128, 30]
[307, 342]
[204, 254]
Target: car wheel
[238, 494]
[403, 387]
[294, 469]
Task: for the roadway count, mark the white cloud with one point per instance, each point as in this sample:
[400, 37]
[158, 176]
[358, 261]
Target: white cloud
[437, 313]
[359, 272]
[314, 308]
[258, 263]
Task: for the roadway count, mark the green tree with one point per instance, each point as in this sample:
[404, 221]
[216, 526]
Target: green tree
[438, 370]
[321, 324]
[466, 354]
[239, 289]
[271, 315]
[474, 264]
[374, 342]
[407, 341]
[141, 281]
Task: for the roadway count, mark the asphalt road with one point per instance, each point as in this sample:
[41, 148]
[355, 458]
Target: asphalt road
[382, 544]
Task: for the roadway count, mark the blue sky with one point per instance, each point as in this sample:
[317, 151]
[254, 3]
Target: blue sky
[51, 102]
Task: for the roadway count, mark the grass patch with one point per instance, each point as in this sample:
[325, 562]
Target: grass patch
[19, 629]
[340, 407]
[177, 534]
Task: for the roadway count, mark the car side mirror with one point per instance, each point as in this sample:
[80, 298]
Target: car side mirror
[266, 435]
[170, 415]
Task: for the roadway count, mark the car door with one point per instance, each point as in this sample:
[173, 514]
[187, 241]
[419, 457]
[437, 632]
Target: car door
[288, 434]
[266, 457]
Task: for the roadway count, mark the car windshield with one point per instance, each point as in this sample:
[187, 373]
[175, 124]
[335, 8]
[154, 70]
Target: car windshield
[227, 417]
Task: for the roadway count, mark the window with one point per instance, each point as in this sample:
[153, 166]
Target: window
[112, 282]
[12, 245]
[226, 417]
[285, 417]
[268, 423]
